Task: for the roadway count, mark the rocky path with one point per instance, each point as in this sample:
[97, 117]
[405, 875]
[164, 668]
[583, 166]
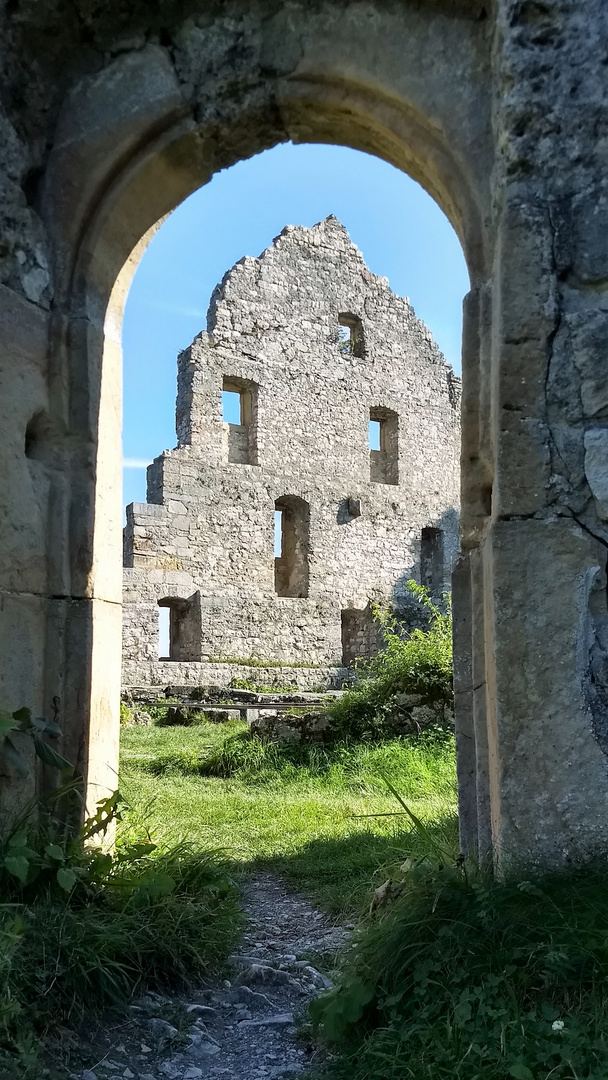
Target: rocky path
[245, 1028]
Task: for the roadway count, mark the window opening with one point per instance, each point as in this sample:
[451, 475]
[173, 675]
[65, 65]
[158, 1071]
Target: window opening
[360, 635]
[431, 560]
[344, 339]
[374, 434]
[383, 446]
[179, 628]
[291, 565]
[278, 533]
[164, 633]
[239, 416]
[350, 334]
[232, 412]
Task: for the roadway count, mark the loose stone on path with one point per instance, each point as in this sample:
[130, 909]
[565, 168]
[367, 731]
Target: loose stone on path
[243, 1028]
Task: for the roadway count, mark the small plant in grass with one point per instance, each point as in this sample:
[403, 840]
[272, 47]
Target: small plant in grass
[412, 666]
[126, 714]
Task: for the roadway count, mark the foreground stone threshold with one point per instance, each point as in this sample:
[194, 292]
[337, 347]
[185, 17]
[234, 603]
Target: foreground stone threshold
[248, 1027]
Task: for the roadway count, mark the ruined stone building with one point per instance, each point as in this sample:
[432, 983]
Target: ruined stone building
[347, 442]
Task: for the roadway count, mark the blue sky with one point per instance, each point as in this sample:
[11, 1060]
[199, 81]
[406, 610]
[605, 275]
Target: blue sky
[401, 232]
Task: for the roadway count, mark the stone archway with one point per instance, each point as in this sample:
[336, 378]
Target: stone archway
[443, 92]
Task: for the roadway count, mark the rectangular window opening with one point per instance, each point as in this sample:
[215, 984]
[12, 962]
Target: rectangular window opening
[350, 335]
[291, 537]
[232, 408]
[240, 420]
[431, 560]
[383, 445]
[278, 534]
[164, 638]
[345, 339]
[179, 628]
[361, 635]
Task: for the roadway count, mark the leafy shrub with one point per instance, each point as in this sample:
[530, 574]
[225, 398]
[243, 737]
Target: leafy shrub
[469, 979]
[85, 927]
[126, 714]
[416, 662]
[22, 723]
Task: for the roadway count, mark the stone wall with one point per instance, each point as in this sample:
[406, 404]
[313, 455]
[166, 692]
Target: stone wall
[111, 115]
[315, 345]
[158, 676]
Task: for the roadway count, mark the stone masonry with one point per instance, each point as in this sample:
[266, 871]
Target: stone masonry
[110, 115]
[313, 346]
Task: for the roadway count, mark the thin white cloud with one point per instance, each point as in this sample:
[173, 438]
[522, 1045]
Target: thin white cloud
[135, 463]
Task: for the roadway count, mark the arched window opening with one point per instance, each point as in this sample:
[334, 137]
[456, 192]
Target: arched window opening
[179, 629]
[350, 335]
[383, 446]
[291, 546]
[239, 416]
[431, 560]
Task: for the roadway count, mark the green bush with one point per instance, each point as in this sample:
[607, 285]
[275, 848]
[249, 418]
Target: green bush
[463, 978]
[83, 928]
[418, 662]
[126, 714]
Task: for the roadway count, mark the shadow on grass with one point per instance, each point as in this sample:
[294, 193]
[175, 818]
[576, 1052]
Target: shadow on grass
[340, 873]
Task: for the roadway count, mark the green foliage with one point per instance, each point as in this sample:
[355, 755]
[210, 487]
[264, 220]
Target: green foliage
[465, 978]
[85, 927]
[126, 714]
[22, 723]
[418, 662]
[420, 765]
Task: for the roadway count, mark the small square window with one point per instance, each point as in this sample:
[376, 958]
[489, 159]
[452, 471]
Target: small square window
[350, 335]
[344, 339]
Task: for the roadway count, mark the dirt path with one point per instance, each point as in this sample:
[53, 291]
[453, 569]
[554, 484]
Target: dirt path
[245, 1028]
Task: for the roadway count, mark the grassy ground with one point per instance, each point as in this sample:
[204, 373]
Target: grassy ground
[458, 976]
[301, 811]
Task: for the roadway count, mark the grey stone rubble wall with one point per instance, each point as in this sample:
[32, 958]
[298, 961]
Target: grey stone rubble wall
[140, 673]
[206, 534]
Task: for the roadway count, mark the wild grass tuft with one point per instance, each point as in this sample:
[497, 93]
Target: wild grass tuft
[418, 764]
[151, 914]
[464, 978]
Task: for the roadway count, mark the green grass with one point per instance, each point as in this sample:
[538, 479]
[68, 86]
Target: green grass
[151, 914]
[463, 978]
[300, 810]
